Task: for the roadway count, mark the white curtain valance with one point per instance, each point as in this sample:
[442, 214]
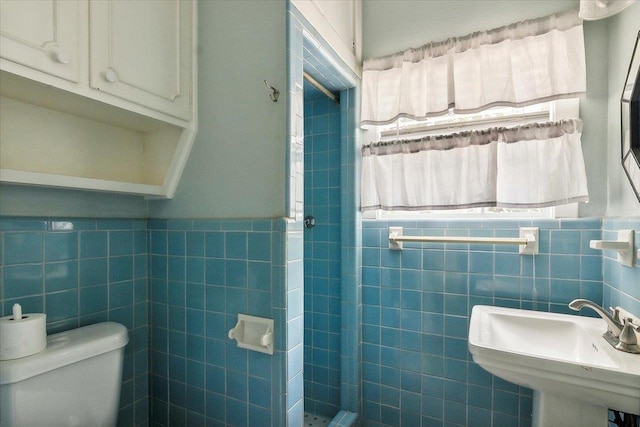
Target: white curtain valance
[516, 65]
[535, 165]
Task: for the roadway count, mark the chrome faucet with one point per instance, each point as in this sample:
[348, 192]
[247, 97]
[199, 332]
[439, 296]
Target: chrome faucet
[621, 335]
[613, 323]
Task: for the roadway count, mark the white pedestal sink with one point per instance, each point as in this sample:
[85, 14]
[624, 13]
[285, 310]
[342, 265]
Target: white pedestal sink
[575, 374]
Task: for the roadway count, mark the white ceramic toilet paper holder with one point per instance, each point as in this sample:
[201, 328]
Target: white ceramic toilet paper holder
[253, 333]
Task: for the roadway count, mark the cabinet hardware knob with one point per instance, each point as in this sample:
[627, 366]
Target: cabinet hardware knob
[62, 58]
[111, 75]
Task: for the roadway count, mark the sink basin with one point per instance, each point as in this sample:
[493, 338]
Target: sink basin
[575, 374]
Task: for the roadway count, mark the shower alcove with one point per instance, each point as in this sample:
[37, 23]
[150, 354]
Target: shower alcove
[331, 265]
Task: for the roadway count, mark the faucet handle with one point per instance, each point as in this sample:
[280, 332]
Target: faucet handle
[628, 341]
[628, 335]
[628, 321]
[615, 313]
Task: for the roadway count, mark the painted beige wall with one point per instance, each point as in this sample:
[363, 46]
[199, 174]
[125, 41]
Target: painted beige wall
[393, 25]
[237, 167]
[19, 200]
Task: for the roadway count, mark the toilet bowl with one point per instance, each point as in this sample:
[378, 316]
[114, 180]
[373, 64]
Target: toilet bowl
[74, 381]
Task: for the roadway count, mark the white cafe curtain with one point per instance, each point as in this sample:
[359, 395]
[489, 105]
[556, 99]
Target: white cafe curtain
[516, 65]
[534, 165]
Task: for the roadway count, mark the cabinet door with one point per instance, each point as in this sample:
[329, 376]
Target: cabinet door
[46, 35]
[141, 51]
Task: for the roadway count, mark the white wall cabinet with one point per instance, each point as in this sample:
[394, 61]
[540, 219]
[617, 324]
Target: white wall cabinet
[339, 22]
[97, 95]
[48, 36]
[137, 52]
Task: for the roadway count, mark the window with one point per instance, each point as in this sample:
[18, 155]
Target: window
[494, 117]
[477, 155]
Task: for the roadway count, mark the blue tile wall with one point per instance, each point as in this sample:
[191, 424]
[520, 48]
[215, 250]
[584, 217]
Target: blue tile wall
[203, 273]
[351, 342]
[621, 284]
[306, 49]
[79, 272]
[416, 307]
[322, 254]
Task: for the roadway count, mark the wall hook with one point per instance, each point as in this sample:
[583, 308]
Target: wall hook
[275, 93]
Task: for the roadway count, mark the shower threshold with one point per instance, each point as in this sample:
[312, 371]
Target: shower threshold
[313, 420]
[342, 419]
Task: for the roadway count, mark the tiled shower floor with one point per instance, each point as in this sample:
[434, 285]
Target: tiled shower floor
[313, 420]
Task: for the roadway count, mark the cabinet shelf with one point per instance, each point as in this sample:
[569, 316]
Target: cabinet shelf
[132, 134]
[62, 181]
[51, 137]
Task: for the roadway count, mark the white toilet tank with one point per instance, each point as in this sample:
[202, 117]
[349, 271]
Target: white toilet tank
[74, 381]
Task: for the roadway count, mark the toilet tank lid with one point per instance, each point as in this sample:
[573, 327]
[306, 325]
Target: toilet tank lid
[65, 348]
